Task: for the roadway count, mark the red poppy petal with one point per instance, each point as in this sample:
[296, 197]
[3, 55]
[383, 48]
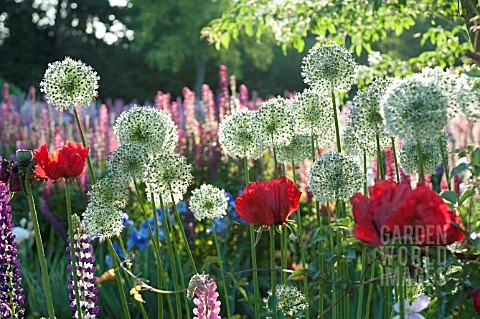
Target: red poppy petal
[454, 234]
[364, 228]
[424, 216]
[251, 208]
[476, 299]
[40, 155]
[385, 199]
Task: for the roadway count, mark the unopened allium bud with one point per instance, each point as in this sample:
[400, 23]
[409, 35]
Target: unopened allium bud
[236, 134]
[334, 176]
[208, 202]
[68, 83]
[329, 68]
[148, 127]
[166, 175]
[84, 261]
[415, 108]
[290, 302]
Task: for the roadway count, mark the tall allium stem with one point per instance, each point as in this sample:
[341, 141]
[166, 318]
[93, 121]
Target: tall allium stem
[370, 286]
[118, 279]
[319, 244]
[156, 247]
[445, 163]
[41, 252]
[82, 136]
[394, 150]
[337, 127]
[421, 174]
[187, 245]
[380, 158]
[177, 258]
[71, 236]
[224, 283]
[302, 248]
[256, 290]
[273, 275]
[168, 239]
[365, 183]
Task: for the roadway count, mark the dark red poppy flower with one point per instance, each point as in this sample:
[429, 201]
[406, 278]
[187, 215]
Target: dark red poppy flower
[476, 299]
[66, 162]
[268, 202]
[396, 212]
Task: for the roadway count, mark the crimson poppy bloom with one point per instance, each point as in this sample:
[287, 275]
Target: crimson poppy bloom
[476, 299]
[268, 202]
[396, 212]
[66, 162]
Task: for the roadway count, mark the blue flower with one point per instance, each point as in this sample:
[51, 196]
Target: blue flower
[220, 225]
[182, 207]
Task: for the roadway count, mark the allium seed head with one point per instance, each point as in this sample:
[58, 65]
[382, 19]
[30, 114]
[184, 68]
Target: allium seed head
[127, 163]
[236, 134]
[148, 127]
[415, 108]
[68, 83]
[329, 68]
[208, 202]
[169, 171]
[272, 122]
[299, 149]
[334, 176]
[290, 302]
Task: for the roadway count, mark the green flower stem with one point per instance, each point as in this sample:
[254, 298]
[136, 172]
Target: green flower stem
[256, 290]
[118, 279]
[225, 291]
[168, 240]
[365, 182]
[82, 136]
[302, 248]
[401, 291]
[394, 150]
[361, 289]
[182, 231]
[386, 293]
[179, 262]
[72, 248]
[379, 157]
[445, 163]
[273, 275]
[129, 280]
[319, 244]
[370, 286]
[283, 237]
[333, 273]
[421, 174]
[41, 252]
[156, 247]
[337, 128]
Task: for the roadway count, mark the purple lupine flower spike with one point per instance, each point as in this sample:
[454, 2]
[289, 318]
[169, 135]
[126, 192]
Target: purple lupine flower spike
[11, 294]
[208, 307]
[85, 271]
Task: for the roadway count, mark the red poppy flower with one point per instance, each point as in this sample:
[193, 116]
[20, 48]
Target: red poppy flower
[476, 299]
[396, 212]
[268, 202]
[65, 162]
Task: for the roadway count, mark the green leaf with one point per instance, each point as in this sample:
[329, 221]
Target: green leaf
[213, 260]
[298, 273]
[466, 195]
[460, 168]
[450, 196]
[259, 235]
[316, 236]
[476, 156]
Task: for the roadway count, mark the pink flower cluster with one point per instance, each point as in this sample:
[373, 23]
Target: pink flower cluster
[208, 307]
